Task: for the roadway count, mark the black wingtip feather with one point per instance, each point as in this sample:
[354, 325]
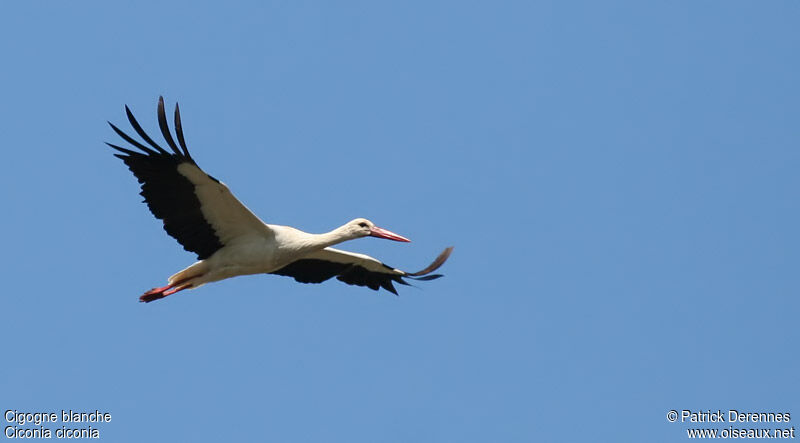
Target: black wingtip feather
[138, 128]
[435, 265]
[179, 131]
[121, 149]
[162, 123]
[427, 277]
[130, 140]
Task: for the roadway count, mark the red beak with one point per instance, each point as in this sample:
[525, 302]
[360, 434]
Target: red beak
[388, 235]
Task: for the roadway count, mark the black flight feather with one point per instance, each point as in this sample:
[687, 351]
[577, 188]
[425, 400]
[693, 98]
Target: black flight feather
[162, 123]
[130, 140]
[169, 195]
[312, 270]
[179, 131]
[141, 132]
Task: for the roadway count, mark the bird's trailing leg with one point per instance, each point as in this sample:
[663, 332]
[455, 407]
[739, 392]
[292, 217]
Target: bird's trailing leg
[156, 293]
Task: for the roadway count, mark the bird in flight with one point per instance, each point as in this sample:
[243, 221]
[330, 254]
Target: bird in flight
[202, 214]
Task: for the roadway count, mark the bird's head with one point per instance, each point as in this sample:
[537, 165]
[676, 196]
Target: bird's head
[361, 227]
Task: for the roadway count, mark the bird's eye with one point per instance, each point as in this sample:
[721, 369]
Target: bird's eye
[362, 224]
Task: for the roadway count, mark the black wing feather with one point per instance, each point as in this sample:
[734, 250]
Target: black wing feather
[179, 132]
[140, 131]
[169, 195]
[130, 140]
[312, 270]
[162, 123]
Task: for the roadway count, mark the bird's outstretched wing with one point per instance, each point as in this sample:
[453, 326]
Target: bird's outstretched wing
[197, 210]
[355, 269]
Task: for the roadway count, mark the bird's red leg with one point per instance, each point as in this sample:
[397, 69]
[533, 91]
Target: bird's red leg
[156, 293]
[174, 290]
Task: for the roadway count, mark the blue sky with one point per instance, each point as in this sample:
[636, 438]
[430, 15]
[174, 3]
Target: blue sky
[619, 180]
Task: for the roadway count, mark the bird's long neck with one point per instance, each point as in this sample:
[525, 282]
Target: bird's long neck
[331, 238]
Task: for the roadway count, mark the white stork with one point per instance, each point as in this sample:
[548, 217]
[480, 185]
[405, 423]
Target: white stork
[202, 214]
